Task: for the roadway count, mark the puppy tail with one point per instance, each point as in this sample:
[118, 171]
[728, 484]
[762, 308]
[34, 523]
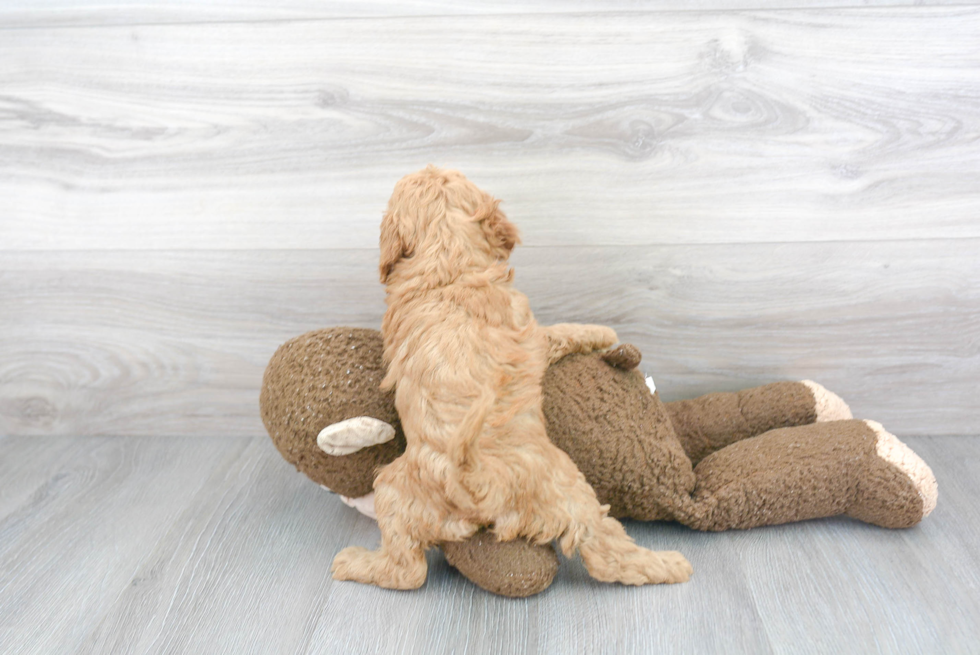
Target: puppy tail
[469, 431]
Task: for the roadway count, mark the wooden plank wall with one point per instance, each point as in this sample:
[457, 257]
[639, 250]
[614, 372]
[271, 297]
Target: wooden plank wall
[765, 190]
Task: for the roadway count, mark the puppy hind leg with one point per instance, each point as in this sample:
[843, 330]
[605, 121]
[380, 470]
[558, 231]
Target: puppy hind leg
[609, 554]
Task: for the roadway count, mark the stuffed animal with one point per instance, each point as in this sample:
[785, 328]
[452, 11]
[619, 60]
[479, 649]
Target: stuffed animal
[786, 451]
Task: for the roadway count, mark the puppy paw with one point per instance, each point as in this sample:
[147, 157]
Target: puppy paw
[374, 567]
[665, 567]
[603, 337]
[639, 566]
[677, 568]
[347, 564]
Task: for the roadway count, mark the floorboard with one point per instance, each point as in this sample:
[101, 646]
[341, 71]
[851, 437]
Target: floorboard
[143, 545]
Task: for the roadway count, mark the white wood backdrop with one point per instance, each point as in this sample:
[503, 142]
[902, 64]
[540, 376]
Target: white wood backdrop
[748, 191]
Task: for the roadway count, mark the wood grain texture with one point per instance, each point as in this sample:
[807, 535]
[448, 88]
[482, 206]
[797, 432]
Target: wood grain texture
[75, 13]
[174, 343]
[605, 129]
[216, 545]
[88, 513]
[749, 191]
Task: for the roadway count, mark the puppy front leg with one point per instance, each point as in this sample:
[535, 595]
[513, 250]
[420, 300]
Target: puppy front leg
[389, 567]
[400, 561]
[567, 338]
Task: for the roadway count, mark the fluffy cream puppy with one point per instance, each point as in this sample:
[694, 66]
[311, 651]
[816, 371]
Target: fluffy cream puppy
[466, 359]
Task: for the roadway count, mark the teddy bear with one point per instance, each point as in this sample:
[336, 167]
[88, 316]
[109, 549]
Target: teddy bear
[785, 451]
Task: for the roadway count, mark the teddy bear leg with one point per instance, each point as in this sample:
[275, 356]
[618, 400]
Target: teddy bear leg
[711, 422]
[812, 471]
[515, 568]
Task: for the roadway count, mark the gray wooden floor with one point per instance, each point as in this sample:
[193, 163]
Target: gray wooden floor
[183, 545]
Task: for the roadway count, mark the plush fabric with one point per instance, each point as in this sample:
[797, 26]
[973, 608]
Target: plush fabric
[321, 378]
[618, 434]
[708, 423]
[794, 474]
[761, 456]
[509, 568]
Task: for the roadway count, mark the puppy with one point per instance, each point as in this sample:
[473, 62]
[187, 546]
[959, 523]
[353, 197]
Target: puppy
[466, 359]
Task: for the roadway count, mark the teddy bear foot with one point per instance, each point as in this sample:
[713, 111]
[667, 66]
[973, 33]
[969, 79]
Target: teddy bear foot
[900, 489]
[828, 405]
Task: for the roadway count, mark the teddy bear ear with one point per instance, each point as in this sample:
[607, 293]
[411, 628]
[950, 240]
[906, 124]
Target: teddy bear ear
[626, 356]
[349, 436]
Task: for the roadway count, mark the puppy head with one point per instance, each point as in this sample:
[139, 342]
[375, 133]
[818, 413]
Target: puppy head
[439, 215]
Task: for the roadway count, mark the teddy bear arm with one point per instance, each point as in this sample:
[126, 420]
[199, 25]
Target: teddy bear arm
[708, 423]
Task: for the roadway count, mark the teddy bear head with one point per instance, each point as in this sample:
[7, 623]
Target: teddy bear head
[322, 406]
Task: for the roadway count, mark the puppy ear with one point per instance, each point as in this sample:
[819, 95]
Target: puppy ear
[501, 233]
[392, 246]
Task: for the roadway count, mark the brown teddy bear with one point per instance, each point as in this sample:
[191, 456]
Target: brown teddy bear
[786, 451]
